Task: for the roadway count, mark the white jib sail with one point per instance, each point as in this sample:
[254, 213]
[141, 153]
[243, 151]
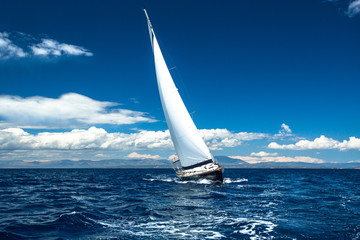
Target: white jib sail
[190, 147]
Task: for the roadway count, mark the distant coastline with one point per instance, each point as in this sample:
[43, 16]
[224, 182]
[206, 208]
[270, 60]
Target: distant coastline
[227, 162]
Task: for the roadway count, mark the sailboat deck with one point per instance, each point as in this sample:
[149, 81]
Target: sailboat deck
[199, 170]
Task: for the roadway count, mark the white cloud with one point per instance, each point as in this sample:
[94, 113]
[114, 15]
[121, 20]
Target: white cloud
[253, 160]
[8, 49]
[142, 156]
[355, 161]
[14, 141]
[292, 159]
[285, 131]
[217, 139]
[263, 154]
[319, 143]
[353, 143]
[67, 111]
[285, 128]
[50, 47]
[47, 47]
[95, 138]
[353, 8]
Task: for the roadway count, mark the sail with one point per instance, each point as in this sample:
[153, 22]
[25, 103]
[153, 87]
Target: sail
[190, 147]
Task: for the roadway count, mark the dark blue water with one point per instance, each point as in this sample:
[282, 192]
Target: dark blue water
[153, 204]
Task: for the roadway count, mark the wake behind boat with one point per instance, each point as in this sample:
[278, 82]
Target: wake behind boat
[194, 158]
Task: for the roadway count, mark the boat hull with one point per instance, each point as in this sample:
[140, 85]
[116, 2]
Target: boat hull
[215, 175]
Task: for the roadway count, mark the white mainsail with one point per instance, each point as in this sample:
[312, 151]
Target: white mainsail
[190, 147]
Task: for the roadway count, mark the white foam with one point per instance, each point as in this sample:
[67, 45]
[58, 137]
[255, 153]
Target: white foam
[211, 234]
[78, 198]
[250, 229]
[136, 233]
[269, 204]
[253, 228]
[159, 179]
[108, 224]
[215, 236]
[177, 180]
[204, 181]
[149, 179]
[71, 213]
[237, 180]
[167, 180]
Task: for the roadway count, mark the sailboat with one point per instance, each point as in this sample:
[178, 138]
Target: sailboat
[194, 159]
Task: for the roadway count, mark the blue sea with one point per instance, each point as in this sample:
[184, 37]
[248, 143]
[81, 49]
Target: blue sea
[154, 204]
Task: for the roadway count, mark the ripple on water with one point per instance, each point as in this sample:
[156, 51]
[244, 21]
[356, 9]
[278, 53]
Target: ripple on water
[155, 204]
[202, 228]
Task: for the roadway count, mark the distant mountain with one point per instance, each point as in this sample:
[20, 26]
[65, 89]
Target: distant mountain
[237, 163]
[231, 162]
[225, 161]
[108, 163]
[300, 165]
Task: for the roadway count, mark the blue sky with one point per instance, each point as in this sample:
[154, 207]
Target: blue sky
[266, 80]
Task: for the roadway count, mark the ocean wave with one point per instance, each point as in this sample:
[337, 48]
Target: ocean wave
[155, 204]
[257, 229]
[201, 227]
[236, 180]
[160, 179]
[200, 181]
[177, 180]
[9, 236]
[76, 220]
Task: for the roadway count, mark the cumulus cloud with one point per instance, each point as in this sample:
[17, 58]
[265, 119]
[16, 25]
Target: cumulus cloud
[353, 8]
[69, 110]
[292, 159]
[217, 139]
[355, 161]
[263, 154]
[261, 159]
[319, 143]
[95, 139]
[46, 47]
[285, 131]
[142, 156]
[285, 128]
[50, 47]
[8, 49]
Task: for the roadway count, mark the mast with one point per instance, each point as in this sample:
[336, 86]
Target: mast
[151, 30]
[190, 147]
